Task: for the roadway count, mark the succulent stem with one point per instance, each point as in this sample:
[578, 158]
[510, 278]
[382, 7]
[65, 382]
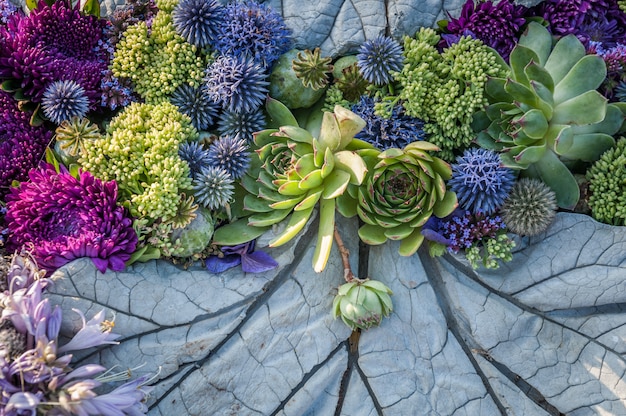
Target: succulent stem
[348, 275]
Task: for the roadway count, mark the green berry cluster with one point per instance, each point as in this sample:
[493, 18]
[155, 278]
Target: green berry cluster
[491, 252]
[446, 89]
[607, 184]
[157, 61]
[140, 152]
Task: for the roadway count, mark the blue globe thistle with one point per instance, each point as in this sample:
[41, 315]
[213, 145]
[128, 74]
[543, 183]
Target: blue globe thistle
[197, 21]
[241, 124]
[480, 181]
[231, 154]
[63, 100]
[396, 131]
[253, 30]
[378, 57]
[197, 104]
[620, 92]
[213, 187]
[237, 83]
[196, 156]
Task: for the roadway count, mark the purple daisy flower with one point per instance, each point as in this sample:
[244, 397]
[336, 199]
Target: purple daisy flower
[497, 25]
[378, 57]
[22, 145]
[54, 43]
[253, 30]
[563, 16]
[238, 84]
[64, 218]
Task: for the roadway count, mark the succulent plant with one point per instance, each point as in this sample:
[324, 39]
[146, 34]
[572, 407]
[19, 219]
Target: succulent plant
[607, 183]
[362, 303]
[403, 188]
[547, 113]
[299, 172]
[195, 236]
[529, 208]
[312, 69]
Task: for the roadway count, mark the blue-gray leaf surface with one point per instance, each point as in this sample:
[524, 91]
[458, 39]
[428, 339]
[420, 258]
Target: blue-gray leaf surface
[542, 335]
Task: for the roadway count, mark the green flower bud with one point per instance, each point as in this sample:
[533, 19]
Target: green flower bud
[362, 304]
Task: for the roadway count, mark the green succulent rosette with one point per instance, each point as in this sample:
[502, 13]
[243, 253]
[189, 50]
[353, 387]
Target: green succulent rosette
[362, 303]
[401, 191]
[547, 114]
[296, 172]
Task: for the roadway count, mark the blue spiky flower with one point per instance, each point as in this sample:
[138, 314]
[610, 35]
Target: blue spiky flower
[195, 102]
[620, 92]
[253, 30]
[396, 131]
[237, 83]
[378, 57]
[196, 156]
[480, 180]
[213, 187]
[197, 21]
[231, 154]
[63, 100]
[241, 124]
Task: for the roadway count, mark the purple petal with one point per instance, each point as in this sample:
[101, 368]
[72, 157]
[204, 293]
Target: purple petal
[257, 262]
[100, 264]
[433, 235]
[217, 264]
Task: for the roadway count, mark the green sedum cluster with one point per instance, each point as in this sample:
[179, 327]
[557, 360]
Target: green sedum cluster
[159, 60]
[490, 251]
[607, 183]
[446, 89]
[140, 152]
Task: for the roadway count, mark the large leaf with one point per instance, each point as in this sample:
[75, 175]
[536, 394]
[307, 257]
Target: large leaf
[542, 335]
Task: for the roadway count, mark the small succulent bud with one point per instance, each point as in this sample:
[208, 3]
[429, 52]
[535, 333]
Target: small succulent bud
[362, 304]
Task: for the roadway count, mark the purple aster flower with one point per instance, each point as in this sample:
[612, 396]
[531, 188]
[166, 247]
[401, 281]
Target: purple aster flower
[52, 43]
[22, 145]
[195, 102]
[563, 16]
[64, 218]
[94, 333]
[253, 30]
[213, 187]
[378, 57]
[241, 124]
[497, 25]
[116, 92]
[230, 153]
[63, 100]
[480, 181]
[197, 21]
[238, 84]
[251, 261]
[602, 30]
[196, 156]
[384, 133]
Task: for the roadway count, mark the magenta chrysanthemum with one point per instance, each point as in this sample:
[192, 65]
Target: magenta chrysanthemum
[53, 43]
[61, 218]
[21, 145]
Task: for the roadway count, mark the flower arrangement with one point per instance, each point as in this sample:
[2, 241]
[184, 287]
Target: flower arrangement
[185, 129]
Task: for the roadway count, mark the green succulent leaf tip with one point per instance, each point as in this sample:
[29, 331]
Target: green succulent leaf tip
[548, 110]
[362, 304]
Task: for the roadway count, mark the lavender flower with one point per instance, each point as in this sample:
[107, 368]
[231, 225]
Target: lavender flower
[197, 21]
[94, 333]
[497, 25]
[63, 100]
[396, 131]
[52, 43]
[22, 145]
[197, 104]
[116, 92]
[231, 256]
[64, 218]
[241, 124]
[231, 154]
[378, 57]
[196, 156]
[213, 187]
[238, 84]
[480, 181]
[7, 8]
[462, 229]
[254, 31]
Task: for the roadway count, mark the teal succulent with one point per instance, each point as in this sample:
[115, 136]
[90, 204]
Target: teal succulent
[299, 172]
[547, 113]
[403, 188]
[607, 184]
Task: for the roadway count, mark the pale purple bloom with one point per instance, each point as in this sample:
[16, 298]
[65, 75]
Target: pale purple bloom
[22, 402]
[251, 261]
[94, 333]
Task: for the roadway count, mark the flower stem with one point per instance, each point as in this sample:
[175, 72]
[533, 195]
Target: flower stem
[345, 259]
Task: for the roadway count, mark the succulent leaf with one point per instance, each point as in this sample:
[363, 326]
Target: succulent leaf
[586, 75]
[325, 234]
[279, 114]
[538, 40]
[236, 232]
[559, 178]
[297, 221]
[586, 108]
[567, 51]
